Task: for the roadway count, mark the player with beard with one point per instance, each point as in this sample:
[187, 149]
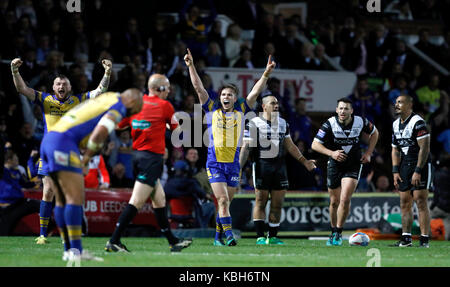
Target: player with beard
[225, 120]
[411, 168]
[53, 107]
[339, 139]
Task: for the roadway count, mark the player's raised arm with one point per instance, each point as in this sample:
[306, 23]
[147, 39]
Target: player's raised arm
[260, 85]
[104, 83]
[297, 154]
[195, 79]
[19, 83]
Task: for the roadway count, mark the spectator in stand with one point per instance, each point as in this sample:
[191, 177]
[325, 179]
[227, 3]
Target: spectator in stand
[24, 143]
[418, 78]
[13, 205]
[400, 56]
[378, 46]
[194, 28]
[215, 35]
[245, 60]
[290, 57]
[319, 55]
[308, 61]
[440, 207]
[269, 49]
[233, 43]
[31, 68]
[429, 96]
[300, 124]
[24, 28]
[250, 14]
[424, 44]
[440, 124]
[56, 35]
[120, 151]
[97, 176]
[131, 40]
[118, 179]
[365, 103]
[182, 186]
[382, 184]
[213, 55]
[196, 171]
[266, 32]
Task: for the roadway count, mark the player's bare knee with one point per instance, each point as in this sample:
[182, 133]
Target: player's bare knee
[222, 201]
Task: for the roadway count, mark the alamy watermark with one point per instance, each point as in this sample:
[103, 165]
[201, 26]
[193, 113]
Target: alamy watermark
[375, 260]
[373, 6]
[73, 6]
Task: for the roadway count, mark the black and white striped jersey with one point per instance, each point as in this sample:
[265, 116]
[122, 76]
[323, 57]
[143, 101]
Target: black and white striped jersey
[266, 138]
[335, 136]
[405, 136]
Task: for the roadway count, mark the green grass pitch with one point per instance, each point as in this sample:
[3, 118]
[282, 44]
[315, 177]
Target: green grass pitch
[154, 252]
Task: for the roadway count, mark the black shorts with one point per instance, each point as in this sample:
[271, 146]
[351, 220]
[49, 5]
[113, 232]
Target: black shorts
[335, 173]
[148, 167]
[267, 176]
[406, 170]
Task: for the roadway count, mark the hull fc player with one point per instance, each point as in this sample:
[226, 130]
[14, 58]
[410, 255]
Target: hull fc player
[411, 168]
[266, 139]
[339, 139]
[54, 106]
[85, 126]
[148, 130]
[225, 120]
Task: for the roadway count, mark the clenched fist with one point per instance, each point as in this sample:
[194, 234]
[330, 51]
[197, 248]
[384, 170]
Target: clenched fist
[107, 65]
[15, 64]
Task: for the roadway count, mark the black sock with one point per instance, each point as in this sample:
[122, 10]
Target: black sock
[333, 229]
[273, 231]
[260, 227]
[163, 222]
[339, 230]
[125, 218]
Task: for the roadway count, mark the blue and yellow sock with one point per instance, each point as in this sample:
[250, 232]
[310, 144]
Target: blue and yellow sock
[219, 229]
[45, 212]
[226, 225]
[73, 215]
[61, 222]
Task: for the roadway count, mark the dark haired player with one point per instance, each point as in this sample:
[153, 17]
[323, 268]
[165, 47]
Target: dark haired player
[53, 107]
[411, 168]
[266, 139]
[339, 139]
[148, 130]
[225, 120]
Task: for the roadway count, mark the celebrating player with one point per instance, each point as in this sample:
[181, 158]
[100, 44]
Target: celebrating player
[411, 168]
[339, 139]
[60, 150]
[225, 124]
[148, 132]
[267, 138]
[53, 107]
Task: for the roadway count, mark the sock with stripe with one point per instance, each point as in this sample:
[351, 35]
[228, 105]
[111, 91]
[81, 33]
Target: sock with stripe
[273, 229]
[259, 227]
[61, 222]
[219, 229]
[73, 215]
[163, 222]
[45, 212]
[226, 225]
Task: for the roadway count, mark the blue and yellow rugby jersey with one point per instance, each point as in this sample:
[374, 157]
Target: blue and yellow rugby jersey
[225, 131]
[53, 109]
[78, 123]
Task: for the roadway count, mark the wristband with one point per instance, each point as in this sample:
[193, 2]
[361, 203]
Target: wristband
[418, 169]
[395, 169]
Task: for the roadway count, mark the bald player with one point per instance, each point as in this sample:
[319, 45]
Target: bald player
[148, 130]
[53, 107]
[60, 149]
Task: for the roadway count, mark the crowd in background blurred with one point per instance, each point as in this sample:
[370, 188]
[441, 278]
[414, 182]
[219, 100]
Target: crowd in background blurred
[148, 39]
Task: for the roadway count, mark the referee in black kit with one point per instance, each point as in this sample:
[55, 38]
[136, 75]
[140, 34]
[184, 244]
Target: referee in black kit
[266, 139]
[411, 168]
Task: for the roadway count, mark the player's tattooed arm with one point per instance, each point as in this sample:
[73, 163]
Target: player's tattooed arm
[104, 83]
[297, 154]
[19, 83]
[243, 156]
[395, 155]
[424, 151]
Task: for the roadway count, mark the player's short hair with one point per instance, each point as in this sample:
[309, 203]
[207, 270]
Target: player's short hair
[345, 100]
[408, 97]
[229, 86]
[61, 76]
[298, 100]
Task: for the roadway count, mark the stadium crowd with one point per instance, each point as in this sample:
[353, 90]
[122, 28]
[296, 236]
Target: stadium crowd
[52, 41]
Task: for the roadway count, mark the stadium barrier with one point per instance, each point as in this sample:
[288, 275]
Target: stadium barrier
[302, 211]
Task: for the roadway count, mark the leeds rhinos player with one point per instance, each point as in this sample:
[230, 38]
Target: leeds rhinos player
[267, 138]
[339, 138]
[225, 120]
[60, 149]
[411, 168]
[53, 107]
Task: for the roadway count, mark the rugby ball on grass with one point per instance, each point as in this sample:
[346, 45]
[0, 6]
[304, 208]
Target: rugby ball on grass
[359, 239]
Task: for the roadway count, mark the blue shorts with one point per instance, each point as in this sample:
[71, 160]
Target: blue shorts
[60, 152]
[42, 168]
[223, 172]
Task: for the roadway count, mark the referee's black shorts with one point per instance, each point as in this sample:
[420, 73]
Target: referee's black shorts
[406, 170]
[336, 172]
[148, 166]
[269, 176]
